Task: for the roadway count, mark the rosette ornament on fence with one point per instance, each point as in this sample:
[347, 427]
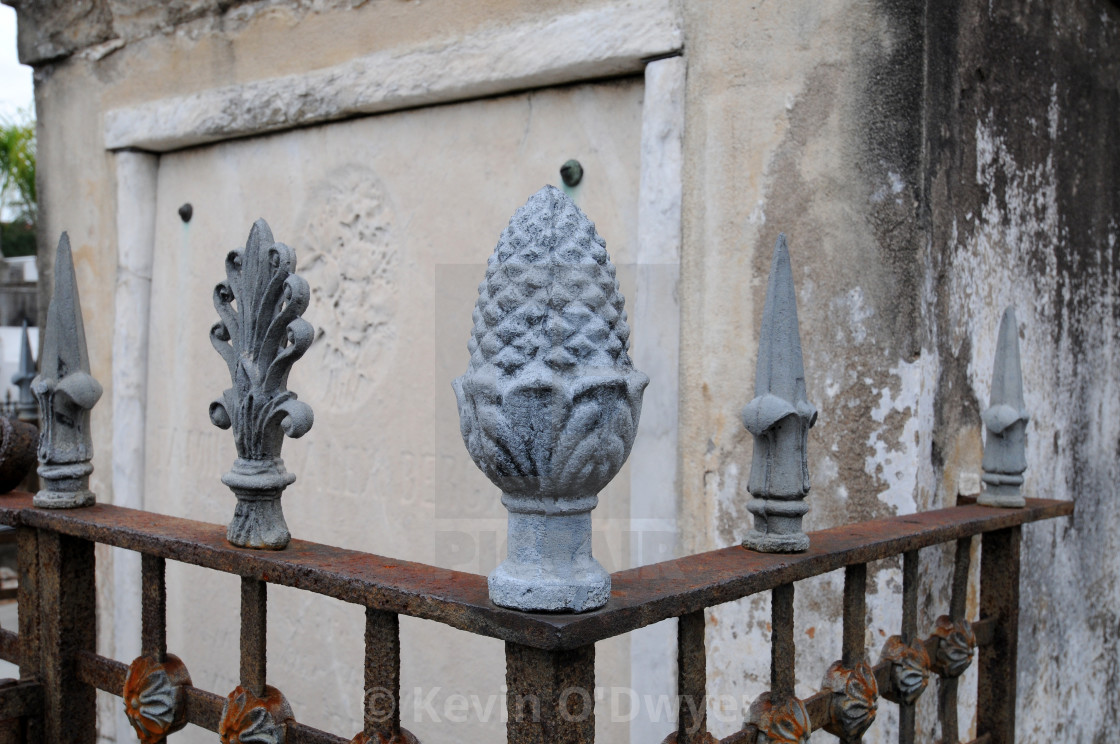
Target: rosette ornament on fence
[549, 404]
[260, 339]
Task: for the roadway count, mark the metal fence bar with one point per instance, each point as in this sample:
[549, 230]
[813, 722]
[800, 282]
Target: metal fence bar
[550, 695]
[947, 689]
[254, 622]
[692, 680]
[460, 599]
[153, 588]
[382, 675]
[906, 711]
[783, 651]
[27, 556]
[203, 708]
[998, 663]
[855, 614]
[68, 620]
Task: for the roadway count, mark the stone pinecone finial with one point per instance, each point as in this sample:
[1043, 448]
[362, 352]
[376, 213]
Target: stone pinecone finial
[550, 295]
[549, 404]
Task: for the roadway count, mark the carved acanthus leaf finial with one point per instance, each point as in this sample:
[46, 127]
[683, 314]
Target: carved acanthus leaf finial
[66, 392]
[1005, 450]
[260, 339]
[779, 418]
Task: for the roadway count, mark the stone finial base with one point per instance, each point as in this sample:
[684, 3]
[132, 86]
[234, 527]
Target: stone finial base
[258, 520]
[64, 486]
[777, 526]
[549, 566]
[1002, 495]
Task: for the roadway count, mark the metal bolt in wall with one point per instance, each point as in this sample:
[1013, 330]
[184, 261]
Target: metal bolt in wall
[572, 173]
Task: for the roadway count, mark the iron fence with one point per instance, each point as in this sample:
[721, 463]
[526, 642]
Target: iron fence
[549, 656]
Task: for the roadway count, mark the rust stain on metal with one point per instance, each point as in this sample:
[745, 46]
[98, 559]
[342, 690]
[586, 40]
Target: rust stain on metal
[461, 600]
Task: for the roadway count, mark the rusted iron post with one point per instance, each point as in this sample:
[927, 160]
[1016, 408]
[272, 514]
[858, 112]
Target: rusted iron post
[382, 719]
[153, 608]
[783, 652]
[777, 715]
[68, 617]
[855, 614]
[998, 664]
[27, 555]
[906, 710]
[550, 695]
[242, 712]
[853, 702]
[779, 418]
[947, 689]
[692, 681]
[155, 689]
[254, 627]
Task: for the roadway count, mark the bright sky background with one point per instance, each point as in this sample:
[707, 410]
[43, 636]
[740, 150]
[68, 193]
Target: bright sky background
[15, 79]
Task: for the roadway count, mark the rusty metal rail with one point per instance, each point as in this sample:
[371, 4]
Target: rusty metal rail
[546, 654]
[640, 596]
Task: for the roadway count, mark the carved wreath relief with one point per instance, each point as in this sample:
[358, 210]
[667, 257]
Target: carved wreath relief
[154, 698]
[260, 338]
[349, 258]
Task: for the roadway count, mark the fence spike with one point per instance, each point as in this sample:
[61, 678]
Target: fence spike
[549, 404]
[1005, 448]
[260, 340]
[779, 418]
[66, 392]
[26, 407]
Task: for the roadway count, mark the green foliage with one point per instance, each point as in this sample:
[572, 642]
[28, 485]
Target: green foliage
[18, 200]
[17, 239]
[17, 167]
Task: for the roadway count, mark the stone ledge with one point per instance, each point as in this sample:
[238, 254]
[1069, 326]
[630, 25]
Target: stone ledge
[596, 43]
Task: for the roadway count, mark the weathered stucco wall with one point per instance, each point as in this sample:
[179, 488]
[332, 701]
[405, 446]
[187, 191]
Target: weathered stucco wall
[930, 163]
[929, 168]
[805, 118]
[1024, 180]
